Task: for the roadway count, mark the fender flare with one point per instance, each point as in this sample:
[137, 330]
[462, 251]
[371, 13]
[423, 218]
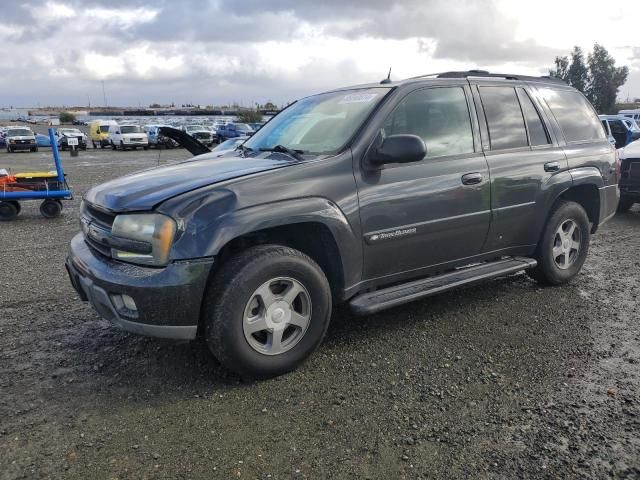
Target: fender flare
[209, 231]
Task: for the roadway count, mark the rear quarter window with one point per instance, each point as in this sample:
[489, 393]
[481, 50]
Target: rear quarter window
[575, 115]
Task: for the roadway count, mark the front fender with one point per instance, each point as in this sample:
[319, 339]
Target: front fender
[206, 227]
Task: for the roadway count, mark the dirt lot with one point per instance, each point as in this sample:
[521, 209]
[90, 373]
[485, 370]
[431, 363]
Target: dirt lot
[502, 380]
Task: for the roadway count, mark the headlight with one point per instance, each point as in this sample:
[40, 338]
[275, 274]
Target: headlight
[147, 238]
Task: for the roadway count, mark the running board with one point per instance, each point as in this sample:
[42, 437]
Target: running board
[372, 302]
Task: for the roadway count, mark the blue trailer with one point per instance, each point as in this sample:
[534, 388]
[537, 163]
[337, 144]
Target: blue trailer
[50, 187]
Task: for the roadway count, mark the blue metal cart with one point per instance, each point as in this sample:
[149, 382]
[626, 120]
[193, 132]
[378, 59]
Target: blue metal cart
[50, 187]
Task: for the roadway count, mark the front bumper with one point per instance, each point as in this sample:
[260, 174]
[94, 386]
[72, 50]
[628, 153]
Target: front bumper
[168, 299]
[23, 146]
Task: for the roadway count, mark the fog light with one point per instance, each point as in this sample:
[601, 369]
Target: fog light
[125, 305]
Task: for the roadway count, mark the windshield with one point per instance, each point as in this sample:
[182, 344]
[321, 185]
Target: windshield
[17, 132]
[104, 128]
[130, 129]
[191, 128]
[71, 131]
[242, 127]
[321, 124]
[226, 145]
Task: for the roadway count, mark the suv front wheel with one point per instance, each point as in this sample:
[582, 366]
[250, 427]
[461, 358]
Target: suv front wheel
[564, 245]
[266, 311]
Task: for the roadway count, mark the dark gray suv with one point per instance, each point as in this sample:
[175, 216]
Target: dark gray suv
[374, 195]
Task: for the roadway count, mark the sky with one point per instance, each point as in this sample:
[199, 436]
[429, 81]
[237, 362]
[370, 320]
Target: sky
[217, 52]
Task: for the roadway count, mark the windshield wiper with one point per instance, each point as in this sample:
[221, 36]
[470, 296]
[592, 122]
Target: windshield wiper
[282, 149]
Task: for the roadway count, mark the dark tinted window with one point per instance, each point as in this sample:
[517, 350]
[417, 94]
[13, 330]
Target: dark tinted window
[574, 114]
[537, 133]
[504, 117]
[440, 116]
[605, 125]
[617, 127]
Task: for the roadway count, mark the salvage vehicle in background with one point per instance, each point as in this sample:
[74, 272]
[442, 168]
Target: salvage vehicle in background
[20, 138]
[128, 137]
[228, 146]
[374, 195]
[233, 130]
[617, 129]
[629, 176]
[200, 133]
[157, 139]
[64, 134]
[99, 132]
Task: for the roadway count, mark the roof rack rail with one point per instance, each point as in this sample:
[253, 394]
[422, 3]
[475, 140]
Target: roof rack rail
[486, 74]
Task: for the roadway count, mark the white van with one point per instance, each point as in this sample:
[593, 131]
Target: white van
[633, 114]
[128, 136]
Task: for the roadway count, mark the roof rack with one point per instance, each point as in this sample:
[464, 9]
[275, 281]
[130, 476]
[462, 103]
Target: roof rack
[486, 74]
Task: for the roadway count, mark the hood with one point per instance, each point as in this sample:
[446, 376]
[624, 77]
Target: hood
[73, 135]
[631, 151]
[146, 189]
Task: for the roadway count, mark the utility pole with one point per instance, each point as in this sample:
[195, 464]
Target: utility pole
[104, 95]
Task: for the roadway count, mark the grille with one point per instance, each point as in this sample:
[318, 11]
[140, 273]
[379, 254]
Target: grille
[99, 223]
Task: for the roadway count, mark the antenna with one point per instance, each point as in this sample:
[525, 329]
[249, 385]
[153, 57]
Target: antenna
[388, 79]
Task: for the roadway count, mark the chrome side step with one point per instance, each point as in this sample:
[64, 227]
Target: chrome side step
[372, 302]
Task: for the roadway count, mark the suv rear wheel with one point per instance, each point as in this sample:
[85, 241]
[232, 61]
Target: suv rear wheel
[266, 311]
[564, 245]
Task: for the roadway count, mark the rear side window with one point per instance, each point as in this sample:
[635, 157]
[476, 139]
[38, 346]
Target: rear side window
[617, 127]
[440, 116]
[504, 118]
[537, 133]
[575, 115]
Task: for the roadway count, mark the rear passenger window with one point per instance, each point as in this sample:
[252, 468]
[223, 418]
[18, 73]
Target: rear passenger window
[575, 115]
[440, 116]
[537, 133]
[504, 118]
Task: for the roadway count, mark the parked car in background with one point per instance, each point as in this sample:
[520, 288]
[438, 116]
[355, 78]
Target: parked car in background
[64, 134]
[633, 126]
[256, 126]
[128, 137]
[232, 130]
[20, 138]
[375, 195]
[629, 176]
[200, 133]
[99, 132]
[229, 146]
[617, 129]
[43, 140]
[633, 114]
[157, 139]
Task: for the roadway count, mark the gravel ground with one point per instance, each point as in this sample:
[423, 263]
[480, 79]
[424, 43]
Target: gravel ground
[500, 380]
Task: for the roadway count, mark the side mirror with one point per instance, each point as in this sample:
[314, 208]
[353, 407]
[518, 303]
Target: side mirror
[118, 132]
[399, 149]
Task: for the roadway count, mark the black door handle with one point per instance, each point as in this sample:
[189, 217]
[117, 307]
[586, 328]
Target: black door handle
[471, 178]
[552, 166]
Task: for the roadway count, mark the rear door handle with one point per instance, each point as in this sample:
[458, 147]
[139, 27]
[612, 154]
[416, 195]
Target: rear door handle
[552, 166]
[471, 178]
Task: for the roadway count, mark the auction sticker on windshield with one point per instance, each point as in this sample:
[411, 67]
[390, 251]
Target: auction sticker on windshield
[358, 98]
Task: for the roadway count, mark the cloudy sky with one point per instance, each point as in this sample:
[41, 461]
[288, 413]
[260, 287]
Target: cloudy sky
[57, 52]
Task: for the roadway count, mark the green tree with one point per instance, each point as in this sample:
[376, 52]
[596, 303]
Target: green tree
[578, 74]
[605, 79]
[66, 117]
[562, 68]
[249, 116]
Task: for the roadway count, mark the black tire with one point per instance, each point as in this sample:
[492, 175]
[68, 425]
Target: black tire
[146, 148]
[94, 144]
[625, 205]
[235, 285]
[548, 271]
[51, 208]
[17, 204]
[102, 145]
[121, 145]
[8, 211]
